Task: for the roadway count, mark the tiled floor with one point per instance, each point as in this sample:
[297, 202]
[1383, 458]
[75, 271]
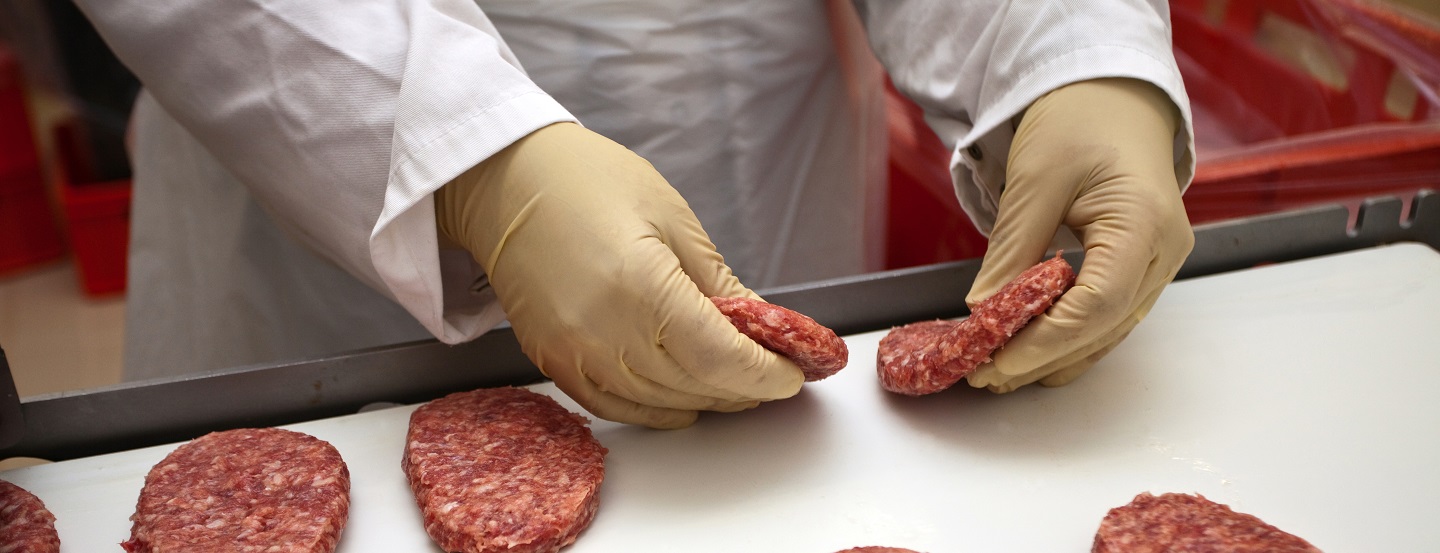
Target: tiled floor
[56, 338]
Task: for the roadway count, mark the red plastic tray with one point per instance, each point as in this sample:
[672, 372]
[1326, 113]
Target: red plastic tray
[97, 215]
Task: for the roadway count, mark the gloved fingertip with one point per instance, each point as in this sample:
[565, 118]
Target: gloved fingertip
[1004, 388]
[785, 381]
[989, 377]
[737, 407]
[982, 377]
[766, 375]
[1064, 376]
[670, 419]
[1073, 371]
[660, 418]
[614, 408]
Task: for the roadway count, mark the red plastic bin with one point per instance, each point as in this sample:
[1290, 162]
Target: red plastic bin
[1271, 132]
[28, 231]
[1299, 102]
[17, 146]
[925, 222]
[97, 215]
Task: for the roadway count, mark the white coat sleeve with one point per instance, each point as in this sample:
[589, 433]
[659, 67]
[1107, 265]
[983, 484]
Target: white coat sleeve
[341, 117]
[975, 65]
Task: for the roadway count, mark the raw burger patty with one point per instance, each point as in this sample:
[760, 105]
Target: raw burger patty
[1181, 523]
[907, 354]
[247, 490]
[814, 348]
[924, 358]
[502, 469]
[26, 526]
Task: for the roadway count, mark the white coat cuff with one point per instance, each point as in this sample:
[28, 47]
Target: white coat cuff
[978, 162]
[404, 246]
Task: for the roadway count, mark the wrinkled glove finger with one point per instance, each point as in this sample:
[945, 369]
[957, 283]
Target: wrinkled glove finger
[644, 369]
[1073, 371]
[621, 379]
[1036, 197]
[615, 408]
[1096, 304]
[646, 373]
[1128, 257]
[704, 266]
[713, 352]
[1058, 373]
[1020, 239]
[774, 375]
[1067, 368]
[706, 346]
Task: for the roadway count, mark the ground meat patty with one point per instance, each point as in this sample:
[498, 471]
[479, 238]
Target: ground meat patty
[1181, 523]
[927, 366]
[26, 526]
[907, 353]
[814, 348]
[247, 490]
[502, 469]
[877, 549]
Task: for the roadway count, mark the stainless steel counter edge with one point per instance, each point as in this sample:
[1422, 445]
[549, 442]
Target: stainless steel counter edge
[140, 414]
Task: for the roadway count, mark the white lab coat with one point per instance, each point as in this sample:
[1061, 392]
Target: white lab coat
[336, 120]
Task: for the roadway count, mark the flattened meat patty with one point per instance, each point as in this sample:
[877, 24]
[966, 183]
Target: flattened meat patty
[1182, 523]
[502, 470]
[248, 490]
[26, 526]
[908, 356]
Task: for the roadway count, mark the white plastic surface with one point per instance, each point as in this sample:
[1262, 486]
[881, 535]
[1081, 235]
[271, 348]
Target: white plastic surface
[1303, 393]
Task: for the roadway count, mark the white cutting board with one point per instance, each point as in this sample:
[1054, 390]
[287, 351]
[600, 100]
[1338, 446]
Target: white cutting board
[1306, 393]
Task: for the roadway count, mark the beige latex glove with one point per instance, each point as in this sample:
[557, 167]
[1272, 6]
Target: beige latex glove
[604, 273]
[1095, 156]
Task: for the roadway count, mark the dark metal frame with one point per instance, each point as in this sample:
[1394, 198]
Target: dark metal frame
[128, 416]
[12, 421]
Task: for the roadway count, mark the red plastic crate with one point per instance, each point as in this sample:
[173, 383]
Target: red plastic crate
[28, 232]
[925, 222]
[97, 215]
[1271, 136]
[17, 145]
[1299, 102]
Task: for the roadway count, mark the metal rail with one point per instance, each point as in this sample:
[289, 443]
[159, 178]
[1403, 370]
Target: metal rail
[90, 422]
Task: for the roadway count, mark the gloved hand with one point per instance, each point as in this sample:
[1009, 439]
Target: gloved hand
[604, 273]
[1095, 156]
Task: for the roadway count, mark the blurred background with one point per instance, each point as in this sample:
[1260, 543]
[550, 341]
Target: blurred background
[64, 198]
[1296, 102]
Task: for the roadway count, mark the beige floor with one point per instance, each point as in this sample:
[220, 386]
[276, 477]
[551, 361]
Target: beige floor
[55, 337]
